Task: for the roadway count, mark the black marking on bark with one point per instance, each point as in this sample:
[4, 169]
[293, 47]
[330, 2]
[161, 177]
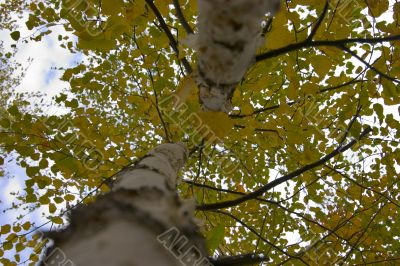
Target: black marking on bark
[238, 46]
[88, 220]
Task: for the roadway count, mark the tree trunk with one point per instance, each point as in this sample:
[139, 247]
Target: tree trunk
[229, 33]
[141, 221]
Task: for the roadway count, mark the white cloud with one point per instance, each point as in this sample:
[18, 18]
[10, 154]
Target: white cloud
[45, 56]
[41, 76]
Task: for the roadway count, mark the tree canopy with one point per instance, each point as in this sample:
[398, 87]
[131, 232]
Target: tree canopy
[303, 169]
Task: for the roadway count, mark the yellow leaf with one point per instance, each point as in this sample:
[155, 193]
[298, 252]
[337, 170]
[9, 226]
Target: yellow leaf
[284, 108]
[44, 200]
[69, 197]
[240, 188]
[280, 35]
[57, 183]
[52, 208]
[17, 229]
[57, 220]
[247, 108]
[336, 177]
[293, 91]
[377, 7]
[5, 229]
[121, 161]
[321, 64]
[396, 8]
[186, 87]
[137, 9]
[111, 7]
[26, 226]
[34, 257]
[310, 88]
[163, 6]
[278, 38]
[7, 245]
[19, 247]
[354, 191]
[100, 44]
[215, 124]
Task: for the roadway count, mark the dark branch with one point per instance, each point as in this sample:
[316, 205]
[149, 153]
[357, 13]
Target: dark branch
[336, 43]
[283, 179]
[261, 110]
[181, 17]
[251, 229]
[258, 129]
[346, 49]
[226, 191]
[354, 181]
[275, 203]
[346, 133]
[319, 21]
[173, 43]
[245, 259]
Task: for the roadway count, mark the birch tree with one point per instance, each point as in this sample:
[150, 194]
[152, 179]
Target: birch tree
[212, 133]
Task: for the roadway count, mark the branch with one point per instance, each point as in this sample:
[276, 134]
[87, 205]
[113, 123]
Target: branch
[181, 17]
[173, 43]
[283, 179]
[346, 133]
[319, 21]
[346, 49]
[261, 110]
[226, 191]
[258, 129]
[251, 229]
[335, 43]
[354, 181]
[343, 260]
[245, 259]
[275, 203]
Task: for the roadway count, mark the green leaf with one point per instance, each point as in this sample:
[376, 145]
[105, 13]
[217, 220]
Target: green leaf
[31, 198]
[13, 110]
[8, 245]
[5, 229]
[5, 123]
[216, 237]
[69, 197]
[321, 64]
[26, 226]
[57, 220]
[15, 35]
[19, 247]
[52, 208]
[44, 200]
[100, 44]
[111, 7]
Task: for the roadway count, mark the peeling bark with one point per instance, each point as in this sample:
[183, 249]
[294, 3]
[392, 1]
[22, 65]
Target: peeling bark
[229, 33]
[123, 226]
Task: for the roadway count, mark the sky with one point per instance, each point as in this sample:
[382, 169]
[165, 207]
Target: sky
[40, 76]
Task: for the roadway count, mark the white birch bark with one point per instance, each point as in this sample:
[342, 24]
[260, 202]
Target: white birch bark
[122, 227]
[229, 33]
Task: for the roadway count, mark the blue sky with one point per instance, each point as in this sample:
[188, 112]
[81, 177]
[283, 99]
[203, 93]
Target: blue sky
[41, 76]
